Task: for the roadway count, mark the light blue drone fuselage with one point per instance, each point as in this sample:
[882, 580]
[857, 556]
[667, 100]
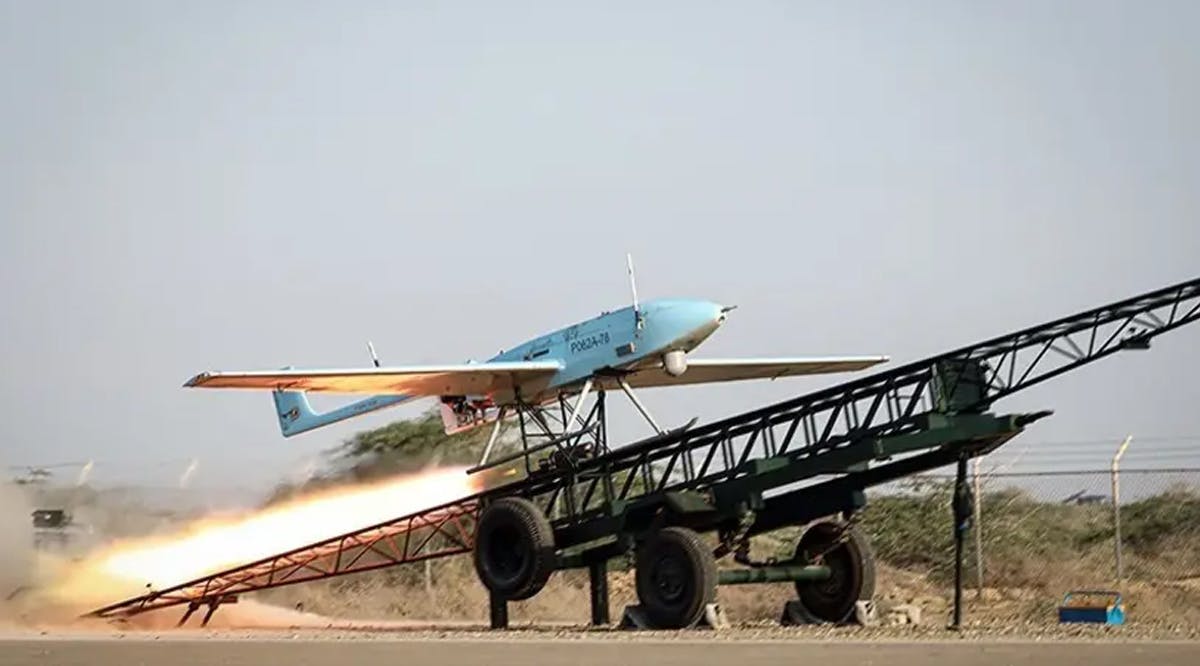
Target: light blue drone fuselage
[610, 343]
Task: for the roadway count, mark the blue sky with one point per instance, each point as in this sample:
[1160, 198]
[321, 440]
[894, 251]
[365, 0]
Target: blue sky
[196, 186]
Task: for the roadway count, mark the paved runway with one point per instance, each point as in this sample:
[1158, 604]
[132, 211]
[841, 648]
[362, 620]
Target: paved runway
[303, 651]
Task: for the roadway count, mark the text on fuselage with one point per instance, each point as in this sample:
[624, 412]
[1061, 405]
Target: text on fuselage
[587, 342]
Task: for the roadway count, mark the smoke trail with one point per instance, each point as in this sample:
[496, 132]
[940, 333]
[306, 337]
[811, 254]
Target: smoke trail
[16, 546]
[129, 567]
[187, 473]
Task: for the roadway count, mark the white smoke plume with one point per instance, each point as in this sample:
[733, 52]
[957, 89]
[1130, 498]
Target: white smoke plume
[16, 546]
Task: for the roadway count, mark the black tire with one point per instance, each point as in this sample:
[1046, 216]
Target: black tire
[852, 568]
[676, 578]
[514, 548]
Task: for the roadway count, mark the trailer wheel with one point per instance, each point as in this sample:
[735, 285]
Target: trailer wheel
[852, 571]
[676, 578]
[514, 548]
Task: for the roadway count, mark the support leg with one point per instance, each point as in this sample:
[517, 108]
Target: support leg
[601, 437]
[598, 584]
[192, 608]
[497, 611]
[640, 407]
[212, 608]
[587, 387]
[487, 450]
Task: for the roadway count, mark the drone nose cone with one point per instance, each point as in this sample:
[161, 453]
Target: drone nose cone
[709, 316]
[686, 322]
[706, 313]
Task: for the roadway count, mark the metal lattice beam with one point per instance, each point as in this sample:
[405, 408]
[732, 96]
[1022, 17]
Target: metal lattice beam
[444, 531]
[894, 402]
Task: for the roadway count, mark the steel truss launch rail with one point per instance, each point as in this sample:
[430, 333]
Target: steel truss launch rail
[905, 400]
[438, 532]
[861, 433]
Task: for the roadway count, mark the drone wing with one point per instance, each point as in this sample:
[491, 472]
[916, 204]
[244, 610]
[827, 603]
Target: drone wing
[416, 381]
[705, 371]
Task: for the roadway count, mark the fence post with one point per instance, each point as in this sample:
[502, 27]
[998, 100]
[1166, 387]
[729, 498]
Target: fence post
[962, 521]
[978, 530]
[1116, 503]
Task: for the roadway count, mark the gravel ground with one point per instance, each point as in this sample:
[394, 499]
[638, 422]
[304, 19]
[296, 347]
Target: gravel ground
[412, 631]
[527, 648]
[339, 642]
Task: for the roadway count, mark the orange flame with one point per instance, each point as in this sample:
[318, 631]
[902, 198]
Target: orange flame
[214, 544]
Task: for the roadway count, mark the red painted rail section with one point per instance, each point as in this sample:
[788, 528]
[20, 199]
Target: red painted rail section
[438, 532]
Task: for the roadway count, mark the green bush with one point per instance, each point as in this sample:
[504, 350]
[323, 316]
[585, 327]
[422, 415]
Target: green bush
[1030, 541]
[1147, 524]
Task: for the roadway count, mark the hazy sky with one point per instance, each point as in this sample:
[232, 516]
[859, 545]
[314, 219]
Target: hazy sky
[211, 185]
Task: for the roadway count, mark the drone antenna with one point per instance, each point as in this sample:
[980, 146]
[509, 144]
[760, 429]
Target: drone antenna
[637, 312]
[371, 349]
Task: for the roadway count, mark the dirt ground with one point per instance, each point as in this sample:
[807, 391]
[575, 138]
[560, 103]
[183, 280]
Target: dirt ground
[1171, 611]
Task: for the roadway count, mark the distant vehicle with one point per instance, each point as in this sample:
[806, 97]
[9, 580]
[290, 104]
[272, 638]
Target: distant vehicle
[55, 528]
[1082, 497]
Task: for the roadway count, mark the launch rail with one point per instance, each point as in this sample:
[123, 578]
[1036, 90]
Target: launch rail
[649, 500]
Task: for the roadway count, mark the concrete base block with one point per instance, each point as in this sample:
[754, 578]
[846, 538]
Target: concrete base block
[866, 613]
[794, 614]
[714, 617]
[634, 617]
[903, 614]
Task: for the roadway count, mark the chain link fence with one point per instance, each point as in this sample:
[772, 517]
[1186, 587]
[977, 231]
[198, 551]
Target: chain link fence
[1036, 536]
[1047, 528]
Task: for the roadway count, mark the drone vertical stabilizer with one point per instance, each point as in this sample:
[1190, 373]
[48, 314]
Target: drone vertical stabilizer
[296, 415]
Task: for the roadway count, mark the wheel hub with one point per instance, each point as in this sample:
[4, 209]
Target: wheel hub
[508, 552]
[851, 571]
[669, 578]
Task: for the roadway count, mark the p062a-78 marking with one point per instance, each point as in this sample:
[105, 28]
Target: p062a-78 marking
[589, 342]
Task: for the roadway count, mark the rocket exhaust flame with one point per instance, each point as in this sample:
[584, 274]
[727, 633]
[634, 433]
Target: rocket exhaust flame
[209, 545]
